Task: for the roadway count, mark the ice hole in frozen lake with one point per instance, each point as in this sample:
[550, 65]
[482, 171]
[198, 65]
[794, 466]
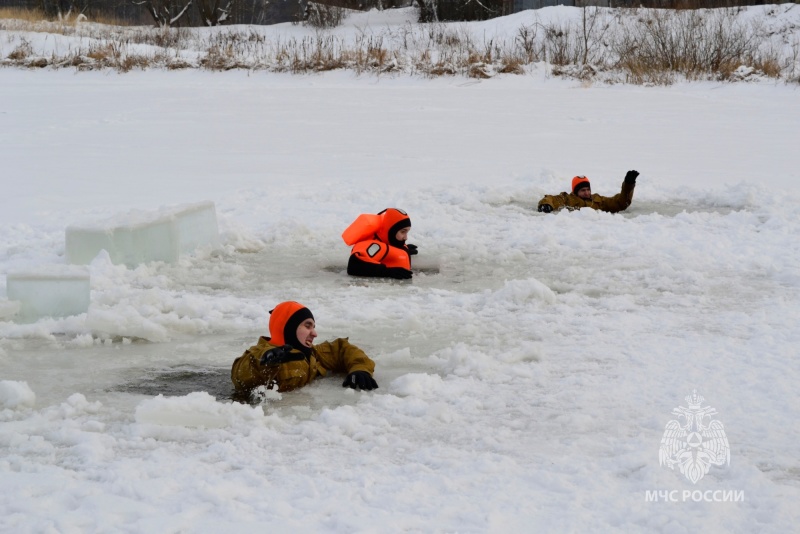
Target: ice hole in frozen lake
[637, 208]
[137, 236]
[181, 380]
[342, 269]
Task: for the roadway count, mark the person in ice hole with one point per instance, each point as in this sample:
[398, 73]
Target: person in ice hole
[379, 245]
[582, 197]
[288, 359]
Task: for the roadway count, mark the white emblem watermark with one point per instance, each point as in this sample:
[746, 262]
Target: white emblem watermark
[694, 496]
[694, 445]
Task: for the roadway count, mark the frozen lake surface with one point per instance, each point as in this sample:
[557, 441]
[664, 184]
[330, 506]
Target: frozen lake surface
[526, 373]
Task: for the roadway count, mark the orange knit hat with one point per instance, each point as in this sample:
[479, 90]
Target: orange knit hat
[579, 182]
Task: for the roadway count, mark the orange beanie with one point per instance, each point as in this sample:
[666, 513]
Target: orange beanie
[579, 182]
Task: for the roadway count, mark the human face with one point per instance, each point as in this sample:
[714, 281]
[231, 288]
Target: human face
[306, 333]
[585, 193]
[402, 234]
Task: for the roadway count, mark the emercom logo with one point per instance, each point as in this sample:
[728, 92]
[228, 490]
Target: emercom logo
[695, 443]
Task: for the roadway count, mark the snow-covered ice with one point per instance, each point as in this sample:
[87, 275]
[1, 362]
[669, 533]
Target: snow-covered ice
[526, 377]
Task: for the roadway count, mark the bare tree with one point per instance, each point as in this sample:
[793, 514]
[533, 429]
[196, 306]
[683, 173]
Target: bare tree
[212, 13]
[428, 10]
[364, 5]
[443, 10]
[166, 13]
[63, 9]
[592, 32]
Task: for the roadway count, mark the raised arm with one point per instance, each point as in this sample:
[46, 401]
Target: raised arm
[623, 199]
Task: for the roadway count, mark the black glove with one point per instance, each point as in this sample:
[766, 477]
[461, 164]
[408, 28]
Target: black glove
[545, 208]
[630, 178]
[398, 272]
[412, 249]
[280, 355]
[360, 380]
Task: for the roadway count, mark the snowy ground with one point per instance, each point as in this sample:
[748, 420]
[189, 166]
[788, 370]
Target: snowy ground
[526, 373]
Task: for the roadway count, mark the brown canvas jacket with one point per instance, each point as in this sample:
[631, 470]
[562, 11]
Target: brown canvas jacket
[571, 201]
[337, 356]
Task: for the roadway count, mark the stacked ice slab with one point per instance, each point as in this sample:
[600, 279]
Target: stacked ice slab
[55, 291]
[137, 237]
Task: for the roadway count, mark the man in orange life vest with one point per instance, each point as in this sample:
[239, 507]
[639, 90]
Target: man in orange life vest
[379, 245]
[289, 359]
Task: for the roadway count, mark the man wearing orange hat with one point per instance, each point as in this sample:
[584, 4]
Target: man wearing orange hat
[379, 245]
[289, 359]
[582, 197]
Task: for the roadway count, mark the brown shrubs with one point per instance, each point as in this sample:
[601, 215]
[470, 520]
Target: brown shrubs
[640, 46]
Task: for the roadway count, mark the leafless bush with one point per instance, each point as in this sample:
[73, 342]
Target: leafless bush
[510, 65]
[561, 44]
[107, 53]
[690, 42]
[792, 65]
[577, 44]
[526, 42]
[111, 55]
[36, 62]
[133, 61]
[630, 45]
[22, 51]
[219, 57]
[166, 37]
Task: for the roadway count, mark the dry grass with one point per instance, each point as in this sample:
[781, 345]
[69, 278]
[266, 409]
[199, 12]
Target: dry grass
[109, 20]
[659, 45]
[27, 15]
[21, 52]
[71, 19]
[636, 46]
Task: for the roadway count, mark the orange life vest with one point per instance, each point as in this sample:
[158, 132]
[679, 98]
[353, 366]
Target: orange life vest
[372, 239]
[369, 226]
[373, 251]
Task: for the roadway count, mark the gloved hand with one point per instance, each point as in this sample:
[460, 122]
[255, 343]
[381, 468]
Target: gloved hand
[280, 355]
[412, 249]
[360, 380]
[545, 208]
[398, 272]
[630, 177]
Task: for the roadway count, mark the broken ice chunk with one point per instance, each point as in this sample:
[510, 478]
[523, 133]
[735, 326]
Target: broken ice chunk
[54, 291]
[138, 237]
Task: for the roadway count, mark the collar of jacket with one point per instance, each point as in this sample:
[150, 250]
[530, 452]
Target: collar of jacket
[266, 341]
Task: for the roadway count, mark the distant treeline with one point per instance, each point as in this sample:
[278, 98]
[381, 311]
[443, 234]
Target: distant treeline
[174, 13]
[182, 13]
